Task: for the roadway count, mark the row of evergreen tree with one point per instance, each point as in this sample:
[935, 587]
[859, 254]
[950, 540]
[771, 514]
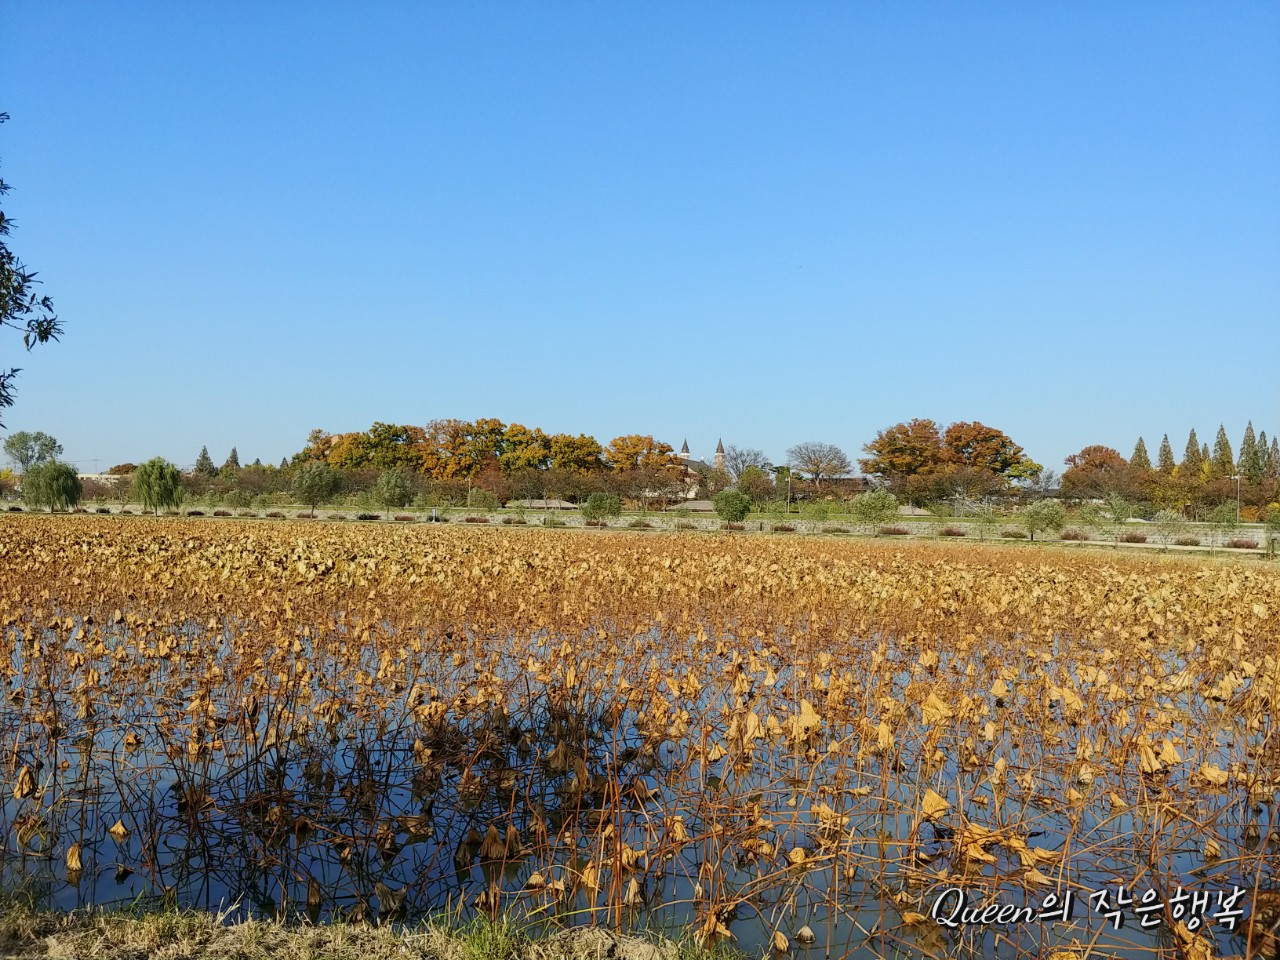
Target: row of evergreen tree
[204, 463]
[1259, 458]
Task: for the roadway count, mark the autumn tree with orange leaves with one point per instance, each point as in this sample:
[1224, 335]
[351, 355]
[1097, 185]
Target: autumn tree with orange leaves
[920, 462]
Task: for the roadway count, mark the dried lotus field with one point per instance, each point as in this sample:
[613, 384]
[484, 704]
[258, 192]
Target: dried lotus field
[761, 740]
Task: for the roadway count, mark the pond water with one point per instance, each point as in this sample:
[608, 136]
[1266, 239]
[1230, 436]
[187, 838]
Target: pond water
[569, 800]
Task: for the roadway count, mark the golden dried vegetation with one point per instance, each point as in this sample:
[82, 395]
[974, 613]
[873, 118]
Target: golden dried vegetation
[780, 741]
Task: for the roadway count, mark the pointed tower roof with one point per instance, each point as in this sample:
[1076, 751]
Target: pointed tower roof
[684, 449]
[719, 446]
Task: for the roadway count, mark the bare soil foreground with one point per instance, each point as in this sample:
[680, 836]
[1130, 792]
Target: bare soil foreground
[854, 749]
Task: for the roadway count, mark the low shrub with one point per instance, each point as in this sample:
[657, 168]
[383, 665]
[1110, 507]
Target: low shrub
[17, 509]
[475, 519]
[337, 516]
[306, 516]
[1073, 535]
[894, 531]
[595, 523]
[640, 525]
[1241, 543]
[195, 513]
[79, 510]
[1014, 534]
[404, 517]
[104, 510]
[551, 520]
[953, 532]
[733, 526]
[275, 514]
[509, 521]
[783, 528]
[686, 525]
[835, 529]
[1133, 537]
[1187, 541]
[222, 513]
[368, 516]
[243, 513]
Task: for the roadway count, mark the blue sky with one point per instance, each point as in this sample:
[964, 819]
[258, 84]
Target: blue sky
[770, 222]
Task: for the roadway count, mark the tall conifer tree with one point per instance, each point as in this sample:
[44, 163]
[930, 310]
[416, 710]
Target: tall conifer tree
[204, 463]
[1191, 456]
[1251, 462]
[1140, 460]
[1224, 461]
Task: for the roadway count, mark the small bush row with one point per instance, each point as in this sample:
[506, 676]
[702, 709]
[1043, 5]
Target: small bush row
[1133, 537]
[1241, 543]
[954, 532]
[894, 531]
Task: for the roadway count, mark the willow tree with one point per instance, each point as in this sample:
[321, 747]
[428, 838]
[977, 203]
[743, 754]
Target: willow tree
[52, 484]
[158, 485]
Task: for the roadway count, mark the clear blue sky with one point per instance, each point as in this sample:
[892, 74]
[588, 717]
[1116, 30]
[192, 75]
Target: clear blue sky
[770, 222]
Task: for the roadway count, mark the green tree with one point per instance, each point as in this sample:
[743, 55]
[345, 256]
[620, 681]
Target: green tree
[732, 506]
[601, 505]
[204, 464]
[817, 511]
[393, 489]
[1252, 458]
[1166, 461]
[28, 450]
[873, 508]
[51, 484]
[21, 308]
[1273, 459]
[755, 483]
[1191, 457]
[233, 462]
[314, 483]
[1043, 516]
[1140, 460]
[1223, 463]
[158, 485]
